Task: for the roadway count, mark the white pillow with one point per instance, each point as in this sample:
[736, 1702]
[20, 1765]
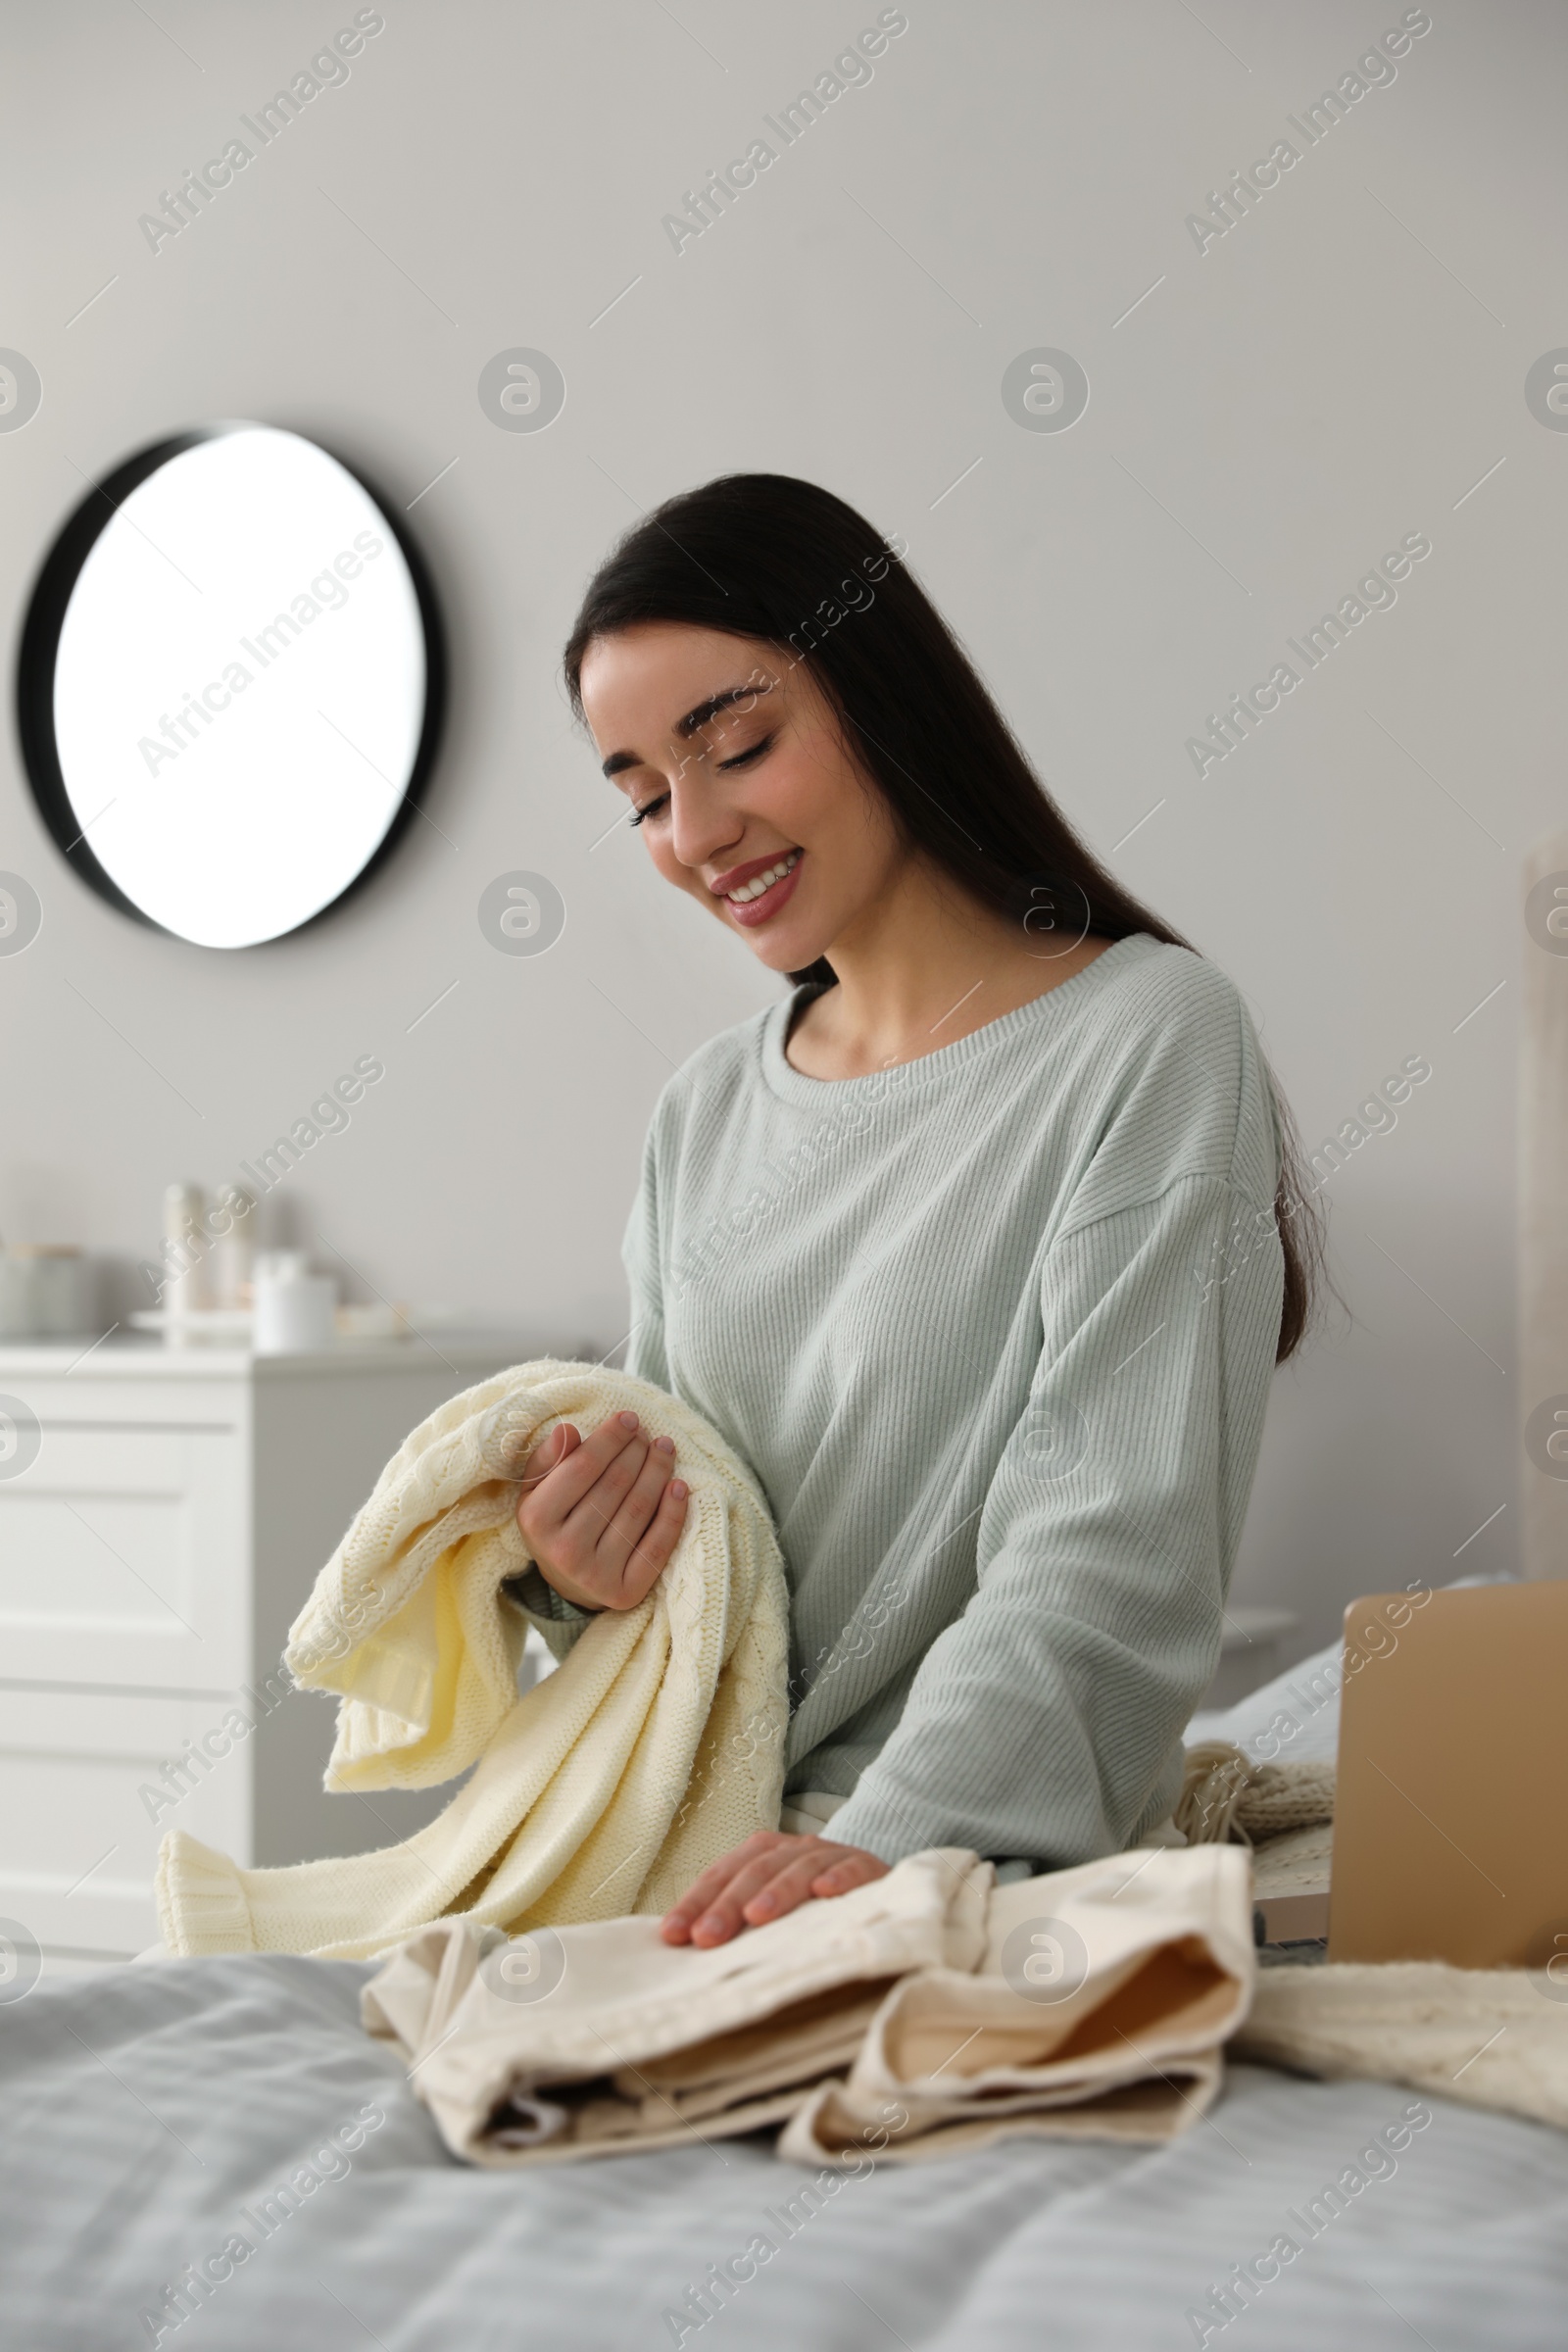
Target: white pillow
[1296, 1718]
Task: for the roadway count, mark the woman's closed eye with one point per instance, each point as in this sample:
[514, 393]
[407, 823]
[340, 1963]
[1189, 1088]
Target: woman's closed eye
[753, 752]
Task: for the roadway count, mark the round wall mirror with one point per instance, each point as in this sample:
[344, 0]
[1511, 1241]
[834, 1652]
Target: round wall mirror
[230, 684]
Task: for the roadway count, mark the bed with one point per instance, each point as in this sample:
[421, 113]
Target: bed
[152, 2111]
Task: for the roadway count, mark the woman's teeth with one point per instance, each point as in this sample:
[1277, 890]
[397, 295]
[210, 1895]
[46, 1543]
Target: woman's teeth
[760, 882]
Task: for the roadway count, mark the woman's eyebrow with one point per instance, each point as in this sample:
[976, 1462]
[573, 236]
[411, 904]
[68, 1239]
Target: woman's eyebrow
[694, 720]
[725, 699]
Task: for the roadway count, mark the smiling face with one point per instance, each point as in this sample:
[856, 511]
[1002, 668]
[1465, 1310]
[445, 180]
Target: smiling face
[744, 794]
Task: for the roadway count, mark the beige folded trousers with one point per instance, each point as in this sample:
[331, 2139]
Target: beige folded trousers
[929, 2011]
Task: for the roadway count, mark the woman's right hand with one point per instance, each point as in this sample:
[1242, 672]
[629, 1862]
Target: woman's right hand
[601, 1515]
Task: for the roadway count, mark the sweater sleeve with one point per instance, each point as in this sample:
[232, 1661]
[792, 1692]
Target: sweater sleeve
[1047, 1721]
[558, 1619]
[640, 1255]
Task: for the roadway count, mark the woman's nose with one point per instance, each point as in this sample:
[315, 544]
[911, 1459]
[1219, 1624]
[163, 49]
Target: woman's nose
[701, 829]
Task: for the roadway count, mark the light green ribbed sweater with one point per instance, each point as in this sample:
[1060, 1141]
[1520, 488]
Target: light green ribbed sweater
[995, 1331]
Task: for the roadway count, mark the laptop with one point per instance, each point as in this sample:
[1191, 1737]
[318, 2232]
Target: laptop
[1450, 1810]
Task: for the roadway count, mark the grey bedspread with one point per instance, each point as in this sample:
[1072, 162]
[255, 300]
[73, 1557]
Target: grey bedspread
[145, 2108]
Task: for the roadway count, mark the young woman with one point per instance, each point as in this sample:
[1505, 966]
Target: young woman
[979, 1247]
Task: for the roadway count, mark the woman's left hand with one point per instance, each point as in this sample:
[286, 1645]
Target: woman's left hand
[770, 1874]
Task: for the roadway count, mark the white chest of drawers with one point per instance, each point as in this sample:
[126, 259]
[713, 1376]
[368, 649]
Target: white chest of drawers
[154, 1551]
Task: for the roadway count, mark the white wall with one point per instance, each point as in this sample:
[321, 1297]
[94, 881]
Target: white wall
[1333, 374]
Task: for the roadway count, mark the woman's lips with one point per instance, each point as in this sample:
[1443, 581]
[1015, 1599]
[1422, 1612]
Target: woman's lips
[750, 912]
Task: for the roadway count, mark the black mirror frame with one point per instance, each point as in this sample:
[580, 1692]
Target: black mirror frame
[40, 645]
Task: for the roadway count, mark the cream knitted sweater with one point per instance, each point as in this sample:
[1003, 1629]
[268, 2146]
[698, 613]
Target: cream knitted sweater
[606, 1789]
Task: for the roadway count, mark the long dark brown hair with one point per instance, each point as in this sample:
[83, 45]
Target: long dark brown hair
[764, 557]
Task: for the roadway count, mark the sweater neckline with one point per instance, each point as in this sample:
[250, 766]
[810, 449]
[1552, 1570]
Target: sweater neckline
[1043, 1013]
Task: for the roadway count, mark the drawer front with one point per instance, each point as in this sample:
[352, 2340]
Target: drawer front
[162, 1399]
[125, 1559]
[84, 1801]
